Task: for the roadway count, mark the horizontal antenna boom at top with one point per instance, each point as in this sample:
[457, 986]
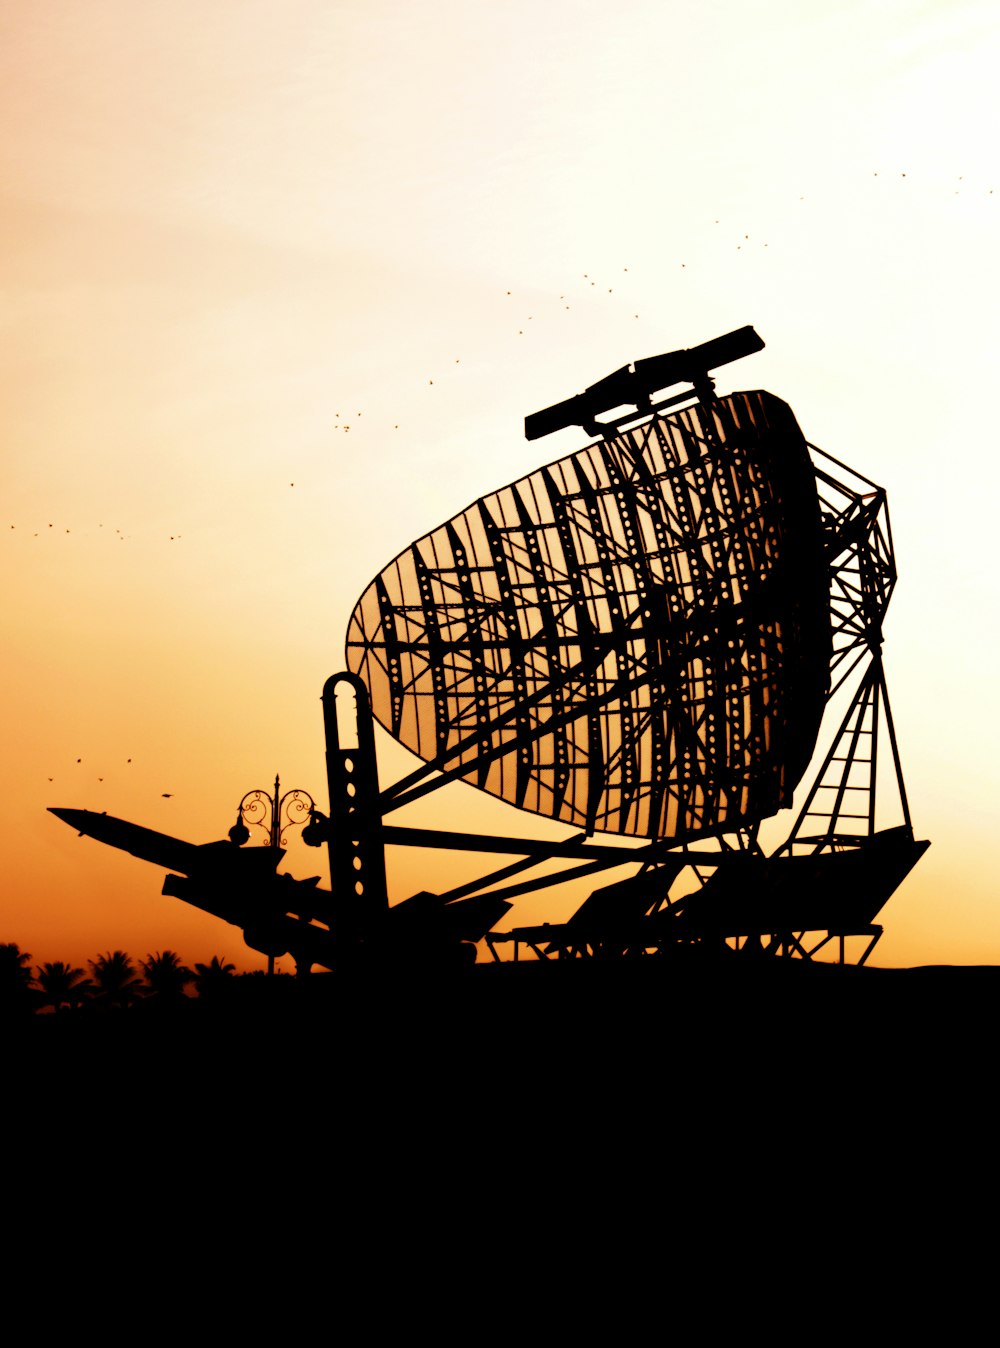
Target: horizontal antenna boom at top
[633, 384]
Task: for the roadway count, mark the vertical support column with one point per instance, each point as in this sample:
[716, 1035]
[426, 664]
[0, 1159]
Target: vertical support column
[354, 840]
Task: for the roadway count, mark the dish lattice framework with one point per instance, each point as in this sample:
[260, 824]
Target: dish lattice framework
[635, 638]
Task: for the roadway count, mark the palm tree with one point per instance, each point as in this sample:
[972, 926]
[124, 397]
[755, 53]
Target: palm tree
[210, 978]
[62, 984]
[116, 978]
[16, 996]
[166, 977]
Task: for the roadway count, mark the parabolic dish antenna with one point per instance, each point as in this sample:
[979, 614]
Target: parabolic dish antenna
[635, 638]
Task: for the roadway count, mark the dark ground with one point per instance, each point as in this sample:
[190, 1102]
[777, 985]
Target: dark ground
[513, 1029]
[636, 1120]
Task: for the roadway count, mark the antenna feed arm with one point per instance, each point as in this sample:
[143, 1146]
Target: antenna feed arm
[633, 385]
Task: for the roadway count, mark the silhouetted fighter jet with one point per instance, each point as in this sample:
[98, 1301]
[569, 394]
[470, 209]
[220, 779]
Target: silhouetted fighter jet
[281, 915]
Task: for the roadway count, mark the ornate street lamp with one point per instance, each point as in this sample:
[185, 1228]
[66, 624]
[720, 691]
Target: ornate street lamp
[274, 816]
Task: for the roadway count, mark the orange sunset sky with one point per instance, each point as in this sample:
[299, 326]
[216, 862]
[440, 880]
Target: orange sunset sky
[280, 284]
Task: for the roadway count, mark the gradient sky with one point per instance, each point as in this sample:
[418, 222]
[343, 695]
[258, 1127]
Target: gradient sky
[348, 246]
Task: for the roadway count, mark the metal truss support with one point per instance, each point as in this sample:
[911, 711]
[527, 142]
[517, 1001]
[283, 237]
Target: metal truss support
[874, 933]
[840, 809]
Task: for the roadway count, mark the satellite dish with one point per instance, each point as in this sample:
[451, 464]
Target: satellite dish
[635, 638]
[639, 638]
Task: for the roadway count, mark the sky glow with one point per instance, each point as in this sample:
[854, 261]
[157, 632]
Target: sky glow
[348, 247]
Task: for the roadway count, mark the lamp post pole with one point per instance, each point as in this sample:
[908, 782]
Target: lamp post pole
[274, 814]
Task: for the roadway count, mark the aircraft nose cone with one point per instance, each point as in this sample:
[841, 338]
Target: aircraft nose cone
[67, 816]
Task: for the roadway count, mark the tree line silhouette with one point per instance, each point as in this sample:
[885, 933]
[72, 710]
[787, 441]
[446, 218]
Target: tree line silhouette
[114, 981]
